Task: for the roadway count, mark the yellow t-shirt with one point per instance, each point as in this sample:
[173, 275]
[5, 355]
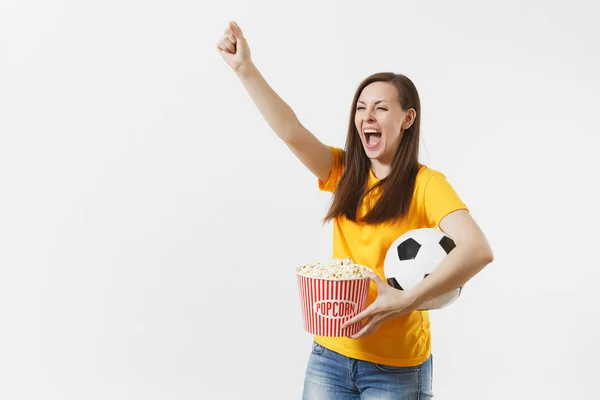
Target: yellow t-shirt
[406, 340]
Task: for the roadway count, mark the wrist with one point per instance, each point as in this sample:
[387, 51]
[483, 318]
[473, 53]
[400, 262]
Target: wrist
[246, 70]
[414, 298]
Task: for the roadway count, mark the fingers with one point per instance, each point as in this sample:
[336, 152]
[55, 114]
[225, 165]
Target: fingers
[230, 38]
[225, 46]
[359, 317]
[372, 275]
[232, 35]
[236, 30]
[369, 328]
[221, 47]
[381, 284]
[353, 320]
[227, 43]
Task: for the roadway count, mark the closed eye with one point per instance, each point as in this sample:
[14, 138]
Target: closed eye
[379, 108]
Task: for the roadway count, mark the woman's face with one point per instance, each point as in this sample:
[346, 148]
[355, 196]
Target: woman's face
[380, 120]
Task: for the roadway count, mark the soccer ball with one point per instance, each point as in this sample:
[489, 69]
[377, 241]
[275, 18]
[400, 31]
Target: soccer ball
[415, 255]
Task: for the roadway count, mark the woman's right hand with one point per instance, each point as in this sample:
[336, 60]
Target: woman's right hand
[234, 49]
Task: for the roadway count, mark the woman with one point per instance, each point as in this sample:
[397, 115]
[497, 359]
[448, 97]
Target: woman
[380, 192]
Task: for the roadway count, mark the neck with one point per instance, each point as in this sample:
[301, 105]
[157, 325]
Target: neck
[380, 169]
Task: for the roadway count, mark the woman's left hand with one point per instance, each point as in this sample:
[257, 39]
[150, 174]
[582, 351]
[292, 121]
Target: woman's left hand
[390, 303]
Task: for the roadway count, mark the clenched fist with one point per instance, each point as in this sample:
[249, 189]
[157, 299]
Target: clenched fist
[234, 49]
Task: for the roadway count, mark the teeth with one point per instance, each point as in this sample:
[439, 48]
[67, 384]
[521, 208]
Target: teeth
[370, 131]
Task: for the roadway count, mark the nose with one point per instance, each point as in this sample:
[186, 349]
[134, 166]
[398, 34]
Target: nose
[368, 115]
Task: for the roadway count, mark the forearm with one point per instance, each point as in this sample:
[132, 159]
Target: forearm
[458, 267]
[278, 114]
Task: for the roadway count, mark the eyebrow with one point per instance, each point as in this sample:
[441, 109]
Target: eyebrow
[377, 102]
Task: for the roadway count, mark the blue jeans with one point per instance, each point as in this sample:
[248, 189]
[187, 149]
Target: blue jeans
[332, 376]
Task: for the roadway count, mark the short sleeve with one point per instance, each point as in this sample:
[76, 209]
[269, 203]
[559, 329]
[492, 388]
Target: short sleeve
[336, 171]
[439, 199]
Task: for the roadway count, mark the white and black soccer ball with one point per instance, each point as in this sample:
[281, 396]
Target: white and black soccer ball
[413, 256]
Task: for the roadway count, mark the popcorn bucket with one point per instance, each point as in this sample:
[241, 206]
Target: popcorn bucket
[328, 303]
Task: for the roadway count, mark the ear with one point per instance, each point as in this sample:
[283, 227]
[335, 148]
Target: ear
[411, 114]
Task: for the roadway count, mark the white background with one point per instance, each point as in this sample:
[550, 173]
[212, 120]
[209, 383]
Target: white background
[150, 221]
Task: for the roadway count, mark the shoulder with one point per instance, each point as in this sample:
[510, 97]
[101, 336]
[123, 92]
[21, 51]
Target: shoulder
[425, 174]
[433, 184]
[337, 152]
[336, 170]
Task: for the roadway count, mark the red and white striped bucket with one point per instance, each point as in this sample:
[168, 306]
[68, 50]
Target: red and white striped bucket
[328, 303]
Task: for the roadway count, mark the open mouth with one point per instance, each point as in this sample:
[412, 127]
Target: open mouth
[372, 137]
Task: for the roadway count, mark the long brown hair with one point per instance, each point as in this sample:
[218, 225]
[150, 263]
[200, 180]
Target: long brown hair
[398, 186]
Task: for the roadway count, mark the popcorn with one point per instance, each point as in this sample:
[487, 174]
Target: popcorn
[335, 268]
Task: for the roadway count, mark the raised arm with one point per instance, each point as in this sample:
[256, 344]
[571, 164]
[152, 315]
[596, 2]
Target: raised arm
[315, 155]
